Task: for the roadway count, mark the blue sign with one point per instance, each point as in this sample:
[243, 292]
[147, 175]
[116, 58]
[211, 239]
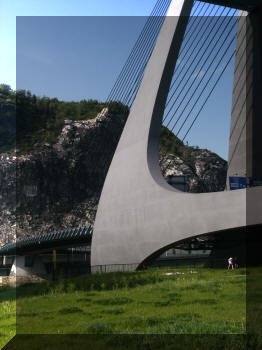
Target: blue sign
[237, 182]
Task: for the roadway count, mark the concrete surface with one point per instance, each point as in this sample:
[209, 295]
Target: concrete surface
[139, 214]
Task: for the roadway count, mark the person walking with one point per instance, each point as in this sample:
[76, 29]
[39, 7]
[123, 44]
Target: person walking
[230, 263]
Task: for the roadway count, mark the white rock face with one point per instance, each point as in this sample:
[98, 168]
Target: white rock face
[206, 173]
[60, 186]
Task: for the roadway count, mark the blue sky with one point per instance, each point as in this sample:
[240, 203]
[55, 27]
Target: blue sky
[10, 9]
[73, 58]
[60, 55]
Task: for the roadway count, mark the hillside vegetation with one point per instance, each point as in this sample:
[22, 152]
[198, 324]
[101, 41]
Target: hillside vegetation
[39, 120]
[7, 118]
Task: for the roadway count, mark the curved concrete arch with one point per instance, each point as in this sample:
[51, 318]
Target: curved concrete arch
[138, 211]
[149, 259]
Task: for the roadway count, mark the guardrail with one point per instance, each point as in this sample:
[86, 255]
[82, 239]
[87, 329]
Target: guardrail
[114, 268]
[82, 267]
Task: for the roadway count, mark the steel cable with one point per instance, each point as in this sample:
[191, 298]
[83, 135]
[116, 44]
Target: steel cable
[203, 64]
[137, 79]
[142, 55]
[130, 57]
[214, 70]
[108, 138]
[209, 94]
[193, 59]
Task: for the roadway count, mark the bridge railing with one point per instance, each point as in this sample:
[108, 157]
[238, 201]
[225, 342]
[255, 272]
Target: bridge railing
[36, 243]
[114, 268]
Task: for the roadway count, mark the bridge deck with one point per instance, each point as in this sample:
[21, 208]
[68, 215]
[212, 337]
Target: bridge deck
[75, 236]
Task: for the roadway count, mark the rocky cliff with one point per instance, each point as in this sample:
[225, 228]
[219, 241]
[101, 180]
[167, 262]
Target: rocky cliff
[60, 185]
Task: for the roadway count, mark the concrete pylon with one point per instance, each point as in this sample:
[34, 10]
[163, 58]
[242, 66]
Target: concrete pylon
[139, 214]
[245, 142]
[19, 269]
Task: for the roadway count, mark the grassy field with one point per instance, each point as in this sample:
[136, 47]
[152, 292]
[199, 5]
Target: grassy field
[7, 315]
[155, 301]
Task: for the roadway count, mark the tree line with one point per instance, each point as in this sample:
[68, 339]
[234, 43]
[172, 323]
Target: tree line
[39, 119]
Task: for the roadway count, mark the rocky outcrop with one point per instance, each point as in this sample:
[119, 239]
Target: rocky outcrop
[60, 186]
[206, 174]
[7, 198]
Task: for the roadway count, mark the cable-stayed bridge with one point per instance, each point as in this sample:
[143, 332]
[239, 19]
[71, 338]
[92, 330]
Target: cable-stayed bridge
[182, 53]
[139, 214]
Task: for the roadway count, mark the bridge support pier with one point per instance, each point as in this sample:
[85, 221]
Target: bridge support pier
[4, 260]
[20, 269]
[139, 214]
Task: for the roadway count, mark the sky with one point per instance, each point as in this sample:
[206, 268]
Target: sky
[73, 58]
[75, 50]
[9, 9]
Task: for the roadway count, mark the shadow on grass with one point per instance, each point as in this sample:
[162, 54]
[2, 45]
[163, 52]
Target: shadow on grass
[91, 283]
[70, 310]
[132, 342]
[115, 311]
[7, 294]
[114, 301]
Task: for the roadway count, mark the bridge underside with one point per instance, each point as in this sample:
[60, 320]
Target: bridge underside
[246, 5]
[243, 243]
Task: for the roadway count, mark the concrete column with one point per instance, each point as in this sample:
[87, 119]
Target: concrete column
[245, 143]
[237, 139]
[254, 98]
[4, 260]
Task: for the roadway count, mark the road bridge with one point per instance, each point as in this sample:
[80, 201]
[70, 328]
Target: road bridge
[46, 242]
[139, 214]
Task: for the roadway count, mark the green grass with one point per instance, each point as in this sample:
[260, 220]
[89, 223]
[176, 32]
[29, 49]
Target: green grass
[254, 304]
[7, 315]
[142, 302]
